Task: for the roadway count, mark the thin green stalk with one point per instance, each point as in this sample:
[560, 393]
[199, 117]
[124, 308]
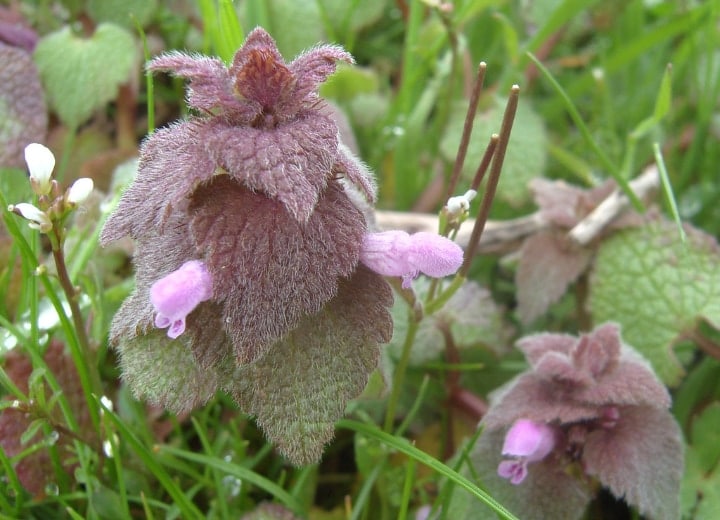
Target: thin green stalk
[410, 57]
[572, 110]
[31, 279]
[442, 298]
[71, 293]
[217, 478]
[422, 391]
[80, 259]
[149, 84]
[181, 500]
[82, 354]
[364, 494]
[119, 462]
[667, 188]
[13, 481]
[404, 446]
[407, 489]
[240, 472]
[400, 369]
[88, 378]
[37, 360]
[445, 495]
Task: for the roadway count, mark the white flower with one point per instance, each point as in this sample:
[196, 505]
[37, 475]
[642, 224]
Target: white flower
[37, 218]
[461, 203]
[79, 191]
[40, 161]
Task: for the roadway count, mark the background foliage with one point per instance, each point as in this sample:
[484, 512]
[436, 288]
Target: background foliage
[603, 97]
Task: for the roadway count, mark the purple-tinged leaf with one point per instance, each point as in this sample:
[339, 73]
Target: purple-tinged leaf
[270, 270]
[23, 115]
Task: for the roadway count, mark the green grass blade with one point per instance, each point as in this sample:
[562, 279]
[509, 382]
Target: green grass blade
[667, 188]
[187, 508]
[216, 475]
[572, 110]
[664, 97]
[240, 472]
[231, 34]
[561, 15]
[210, 25]
[149, 85]
[404, 446]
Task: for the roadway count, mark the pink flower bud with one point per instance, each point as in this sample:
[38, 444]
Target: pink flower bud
[176, 295]
[526, 441]
[395, 253]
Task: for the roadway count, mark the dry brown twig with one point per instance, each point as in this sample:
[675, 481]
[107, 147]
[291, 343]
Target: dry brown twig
[505, 236]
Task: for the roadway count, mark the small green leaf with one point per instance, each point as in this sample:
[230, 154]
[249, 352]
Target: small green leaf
[664, 97]
[32, 430]
[81, 75]
[657, 287]
[662, 107]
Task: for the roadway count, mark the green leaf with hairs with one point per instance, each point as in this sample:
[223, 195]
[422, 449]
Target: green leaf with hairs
[657, 287]
[299, 388]
[80, 75]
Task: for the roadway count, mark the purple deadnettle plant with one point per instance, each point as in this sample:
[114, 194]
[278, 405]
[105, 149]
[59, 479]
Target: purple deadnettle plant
[588, 412]
[248, 253]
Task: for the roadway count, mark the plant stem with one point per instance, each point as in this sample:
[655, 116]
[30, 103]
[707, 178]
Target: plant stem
[87, 355]
[467, 130]
[495, 170]
[485, 162]
[400, 369]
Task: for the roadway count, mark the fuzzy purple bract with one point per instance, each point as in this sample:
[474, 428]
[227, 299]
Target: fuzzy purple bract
[610, 422]
[254, 188]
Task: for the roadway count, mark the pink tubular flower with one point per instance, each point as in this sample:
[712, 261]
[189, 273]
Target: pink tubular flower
[396, 253]
[526, 441]
[176, 295]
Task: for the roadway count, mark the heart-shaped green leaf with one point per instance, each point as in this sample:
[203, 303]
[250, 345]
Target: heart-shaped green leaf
[81, 75]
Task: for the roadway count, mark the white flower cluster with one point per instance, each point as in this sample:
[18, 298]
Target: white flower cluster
[41, 162]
